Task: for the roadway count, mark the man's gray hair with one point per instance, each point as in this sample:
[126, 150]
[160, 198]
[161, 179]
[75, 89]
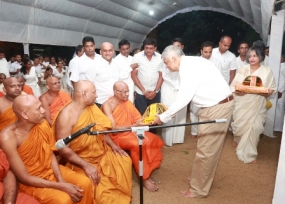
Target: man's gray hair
[172, 50]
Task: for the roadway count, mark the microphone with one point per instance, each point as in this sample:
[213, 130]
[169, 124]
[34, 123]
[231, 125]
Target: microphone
[60, 144]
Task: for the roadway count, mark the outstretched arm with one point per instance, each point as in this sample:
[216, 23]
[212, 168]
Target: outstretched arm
[11, 189]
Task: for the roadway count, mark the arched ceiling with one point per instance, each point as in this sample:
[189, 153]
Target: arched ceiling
[66, 22]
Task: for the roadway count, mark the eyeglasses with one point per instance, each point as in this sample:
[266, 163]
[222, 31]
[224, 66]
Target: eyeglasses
[124, 92]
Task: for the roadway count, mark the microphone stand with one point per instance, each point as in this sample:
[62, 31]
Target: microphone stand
[140, 135]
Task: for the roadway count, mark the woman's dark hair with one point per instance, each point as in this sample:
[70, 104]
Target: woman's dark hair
[23, 68]
[260, 54]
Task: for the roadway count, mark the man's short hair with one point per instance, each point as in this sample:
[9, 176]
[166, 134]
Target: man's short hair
[259, 44]
[223, 37]
[2, 50]
[87, 39]
[177, 40]
[260, 54]
[48, 69]
[267, 47]
[149, 41]
[78, 48]
[207, 44]
[124, 42]
[172, 50]
[242, 42]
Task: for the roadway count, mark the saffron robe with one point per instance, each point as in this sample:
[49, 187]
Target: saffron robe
[22, 198]
[60, 101]
[7, 118]
[126, 114]
[36, 153]
[28, 90]
[115, 185]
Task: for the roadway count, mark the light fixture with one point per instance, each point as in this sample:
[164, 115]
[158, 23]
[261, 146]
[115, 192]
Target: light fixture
[151, 13]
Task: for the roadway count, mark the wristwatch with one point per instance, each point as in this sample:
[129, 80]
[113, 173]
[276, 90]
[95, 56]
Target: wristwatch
[156, 91]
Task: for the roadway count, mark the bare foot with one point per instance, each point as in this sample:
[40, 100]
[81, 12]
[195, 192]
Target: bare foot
[193, 136]
[234, 144]
[189, 178]
[187, 194]
[152, 180]
[253, 162]
[149, 185]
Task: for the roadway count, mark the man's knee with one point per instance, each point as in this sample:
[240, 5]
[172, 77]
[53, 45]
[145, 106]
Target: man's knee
[84, 182]
[63, 198]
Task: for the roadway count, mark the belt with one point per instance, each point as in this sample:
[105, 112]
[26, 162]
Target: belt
[226, 99]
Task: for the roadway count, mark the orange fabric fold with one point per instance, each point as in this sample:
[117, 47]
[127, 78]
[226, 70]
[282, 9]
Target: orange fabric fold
[28, 90]
[60, 101]
[116, 172]
[7, 118]
[126, 114]
[1, 94]
[36, 154]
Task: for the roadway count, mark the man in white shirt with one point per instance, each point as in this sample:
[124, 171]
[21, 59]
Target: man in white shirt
[206, 52]
[104, 74]
[38, 68]
[242, 50]
[147, 77]
[16, 66]
[79, 51]
[4, 66]
[46, 61]
[280, 107]
[124, 61]
[203, 84]
[89, 60]
[227, 58]
[178, 42]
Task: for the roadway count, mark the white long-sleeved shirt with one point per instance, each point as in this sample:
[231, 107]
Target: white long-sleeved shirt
[201, 83]
[4, 67]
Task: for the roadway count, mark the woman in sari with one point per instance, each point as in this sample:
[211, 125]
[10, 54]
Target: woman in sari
[250, 109]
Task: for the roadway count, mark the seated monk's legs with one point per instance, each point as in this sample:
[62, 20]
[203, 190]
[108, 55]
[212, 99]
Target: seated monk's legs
[23, 198]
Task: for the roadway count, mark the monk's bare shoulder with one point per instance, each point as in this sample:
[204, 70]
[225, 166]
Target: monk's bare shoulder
[46, 98]
[68, 115]
[7, 135]
[5, 104]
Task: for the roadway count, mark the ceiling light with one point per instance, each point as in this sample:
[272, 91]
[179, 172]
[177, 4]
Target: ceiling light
[151, 13]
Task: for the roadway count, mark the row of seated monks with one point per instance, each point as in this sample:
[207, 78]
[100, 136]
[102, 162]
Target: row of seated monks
[96, 169]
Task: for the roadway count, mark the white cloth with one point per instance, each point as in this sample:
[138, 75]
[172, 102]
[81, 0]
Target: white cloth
[38, 69]
[240, 63]
[265, 61]
[45, 63]
[1, 87]
[228, 61]
[103, 75]
[280, 107]
[216, 62]
[72, 65]
[125, 72]
[52, 66]
[32, 81]
[78, 71]
[201, 83]
[169, 89]
[148, 70]
[4, 67]
[15, 66]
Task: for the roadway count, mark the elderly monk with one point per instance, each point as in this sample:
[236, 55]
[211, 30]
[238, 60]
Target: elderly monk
[28, 145]
[13, 88]
[8, 185]
[96, 157]
[25, 88]
[53, 99]
[123, 114]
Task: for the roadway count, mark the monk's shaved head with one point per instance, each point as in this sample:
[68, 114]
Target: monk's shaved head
[53, 84]
[9, 81]
[28, 107]
[85, 92]
[51, 79]
[120, 85]
[83, 85]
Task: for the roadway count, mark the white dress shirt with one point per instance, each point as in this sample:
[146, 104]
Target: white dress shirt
[72, 65]
[240, 63]
[201, 83]
[148, 70]
[15, 66]
[216, 62]
[4, 67]
[228, 61]
[45, 63]
[103, 74]
[38, 69]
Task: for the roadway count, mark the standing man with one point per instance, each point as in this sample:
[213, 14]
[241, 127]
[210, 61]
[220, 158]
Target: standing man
[124, 60]
[242, 50]
[203, 84]
[88, 60]
[16, 66]
[4, 65]
[146, 75]
[178, 42]
[227, 58]
[79, 51]
[266, 51]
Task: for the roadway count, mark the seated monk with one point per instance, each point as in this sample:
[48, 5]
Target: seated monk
[25, 88]
[123, 114]
[53, 99]
[28, 144]
[9, 192]
[95, 157]
[13, 88]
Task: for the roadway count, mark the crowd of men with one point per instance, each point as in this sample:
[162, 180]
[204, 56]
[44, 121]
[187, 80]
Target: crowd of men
[112, 92]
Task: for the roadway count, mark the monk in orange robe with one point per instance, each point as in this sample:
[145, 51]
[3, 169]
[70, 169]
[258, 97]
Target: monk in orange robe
[53, 99]
[123, 114]
[96, 157]
[13, 88]
[25, 88]
[8, 185]
[28, 145]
